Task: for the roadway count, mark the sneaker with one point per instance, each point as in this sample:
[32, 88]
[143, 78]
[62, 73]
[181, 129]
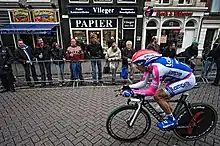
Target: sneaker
[167, 123]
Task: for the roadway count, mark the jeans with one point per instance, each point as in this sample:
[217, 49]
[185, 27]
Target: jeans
[60, 71]
[114, 67]
[76, 70]
[42, 70]
[80, 74]
[99, 64]
[207, 68]
[27, 68]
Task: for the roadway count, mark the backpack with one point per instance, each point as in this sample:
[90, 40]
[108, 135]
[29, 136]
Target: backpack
[124, 72]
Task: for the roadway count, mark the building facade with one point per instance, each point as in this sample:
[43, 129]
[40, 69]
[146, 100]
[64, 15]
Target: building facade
[121, 19]
[211, 24]
[29, 19]
[176, 21]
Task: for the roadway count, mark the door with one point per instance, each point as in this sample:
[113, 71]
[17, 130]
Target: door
[97, 33]
[209, 37]
[189, 38]
[149, 35]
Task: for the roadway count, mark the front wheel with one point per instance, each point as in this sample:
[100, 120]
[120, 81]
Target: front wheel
[118, 121]
[202, 123]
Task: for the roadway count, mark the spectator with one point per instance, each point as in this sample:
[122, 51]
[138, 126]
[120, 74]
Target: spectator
[43, 54]
[170, 51]
[74, 53]
[127, 54]
[216, 55]
[95, 52]
[154, 44]
[24, 55]
[191, 53]
[6, 74]
[58, 55]
[113, 55]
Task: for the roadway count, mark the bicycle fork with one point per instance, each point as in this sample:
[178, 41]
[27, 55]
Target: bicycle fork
[134, 116]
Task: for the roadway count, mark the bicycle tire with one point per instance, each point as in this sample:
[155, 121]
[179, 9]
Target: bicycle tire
[123, 108]
[205, 115]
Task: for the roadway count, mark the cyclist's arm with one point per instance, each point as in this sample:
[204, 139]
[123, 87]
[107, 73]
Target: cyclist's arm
[142, 83]
[153, 86]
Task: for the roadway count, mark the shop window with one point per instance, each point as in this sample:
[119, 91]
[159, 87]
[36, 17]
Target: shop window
[49, 39]
[171, 24]
[81, 35]
[190, 24]
[7, 40]
[103, 1]
[149, 35]
[107, 34]
[78, 1]
[151, 24]
[162, 1]
[126, 1]
[185, 1]
[128, 34]
[96, 33]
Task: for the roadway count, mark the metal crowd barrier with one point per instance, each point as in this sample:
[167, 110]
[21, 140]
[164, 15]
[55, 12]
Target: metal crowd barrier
[19, 72]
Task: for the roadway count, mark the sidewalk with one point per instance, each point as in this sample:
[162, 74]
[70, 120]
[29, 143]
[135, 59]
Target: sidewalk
[67, 116]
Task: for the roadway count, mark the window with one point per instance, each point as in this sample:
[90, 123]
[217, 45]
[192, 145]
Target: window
[190, 24]
[80, 34]
[78, 1]
[162, 1]
[185, 1]
[103, 1]
[38, 1]
[171, 24]
[151, 24]
[107, 34]
[126, 1]
[9, 0]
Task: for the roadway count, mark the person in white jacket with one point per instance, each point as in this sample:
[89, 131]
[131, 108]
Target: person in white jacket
[113, 55]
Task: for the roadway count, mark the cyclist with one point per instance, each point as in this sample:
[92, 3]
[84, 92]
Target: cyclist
[179, 78]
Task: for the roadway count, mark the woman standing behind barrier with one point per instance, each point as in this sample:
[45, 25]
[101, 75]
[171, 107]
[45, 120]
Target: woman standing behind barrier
[58, 55]
[113, 55]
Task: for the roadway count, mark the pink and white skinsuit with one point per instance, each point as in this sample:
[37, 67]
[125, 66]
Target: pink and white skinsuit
[179, 78]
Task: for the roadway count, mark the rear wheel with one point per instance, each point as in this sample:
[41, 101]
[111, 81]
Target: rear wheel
[202, 123]
[118, 127]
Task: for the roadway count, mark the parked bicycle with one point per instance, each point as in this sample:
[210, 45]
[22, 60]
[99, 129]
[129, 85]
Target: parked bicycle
[133, 121]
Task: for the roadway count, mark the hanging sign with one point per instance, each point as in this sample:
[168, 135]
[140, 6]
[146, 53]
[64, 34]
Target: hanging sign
[44, 16]
[20, 15]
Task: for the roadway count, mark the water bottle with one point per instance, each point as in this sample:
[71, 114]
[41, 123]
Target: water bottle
[159, 109]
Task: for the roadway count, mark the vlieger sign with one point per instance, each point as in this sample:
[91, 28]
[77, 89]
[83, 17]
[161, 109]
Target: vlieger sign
[94, 23]
[129, 23]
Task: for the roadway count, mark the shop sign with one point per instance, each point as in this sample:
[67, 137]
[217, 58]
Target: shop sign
[44, 16]
[26, 32]
[100, 10]
[94, 23]
[20, 15]
[175, 13]
[129, 23]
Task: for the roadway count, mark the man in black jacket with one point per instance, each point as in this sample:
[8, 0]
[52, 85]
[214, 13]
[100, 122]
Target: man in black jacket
[24, 55]
[216, 55]
[43, 54]
[170, 51]
[95, 52]
[6, 74]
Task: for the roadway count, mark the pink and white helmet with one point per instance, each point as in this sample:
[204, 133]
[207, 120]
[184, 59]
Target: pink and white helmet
[145, 57]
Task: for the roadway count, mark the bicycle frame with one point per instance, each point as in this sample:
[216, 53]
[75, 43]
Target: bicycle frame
[146, 106]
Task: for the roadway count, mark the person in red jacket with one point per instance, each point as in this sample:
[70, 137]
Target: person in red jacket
[74, 53]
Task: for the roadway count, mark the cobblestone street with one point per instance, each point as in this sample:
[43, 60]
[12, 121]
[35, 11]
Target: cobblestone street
[67, 116]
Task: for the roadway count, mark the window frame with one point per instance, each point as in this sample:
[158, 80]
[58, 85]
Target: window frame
[38, 1]
[160, 3]
[72, 2]
[184, 2]
[9, 0]
[123, 2]
[102, 2]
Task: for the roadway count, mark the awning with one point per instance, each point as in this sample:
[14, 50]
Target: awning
[27, 29]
